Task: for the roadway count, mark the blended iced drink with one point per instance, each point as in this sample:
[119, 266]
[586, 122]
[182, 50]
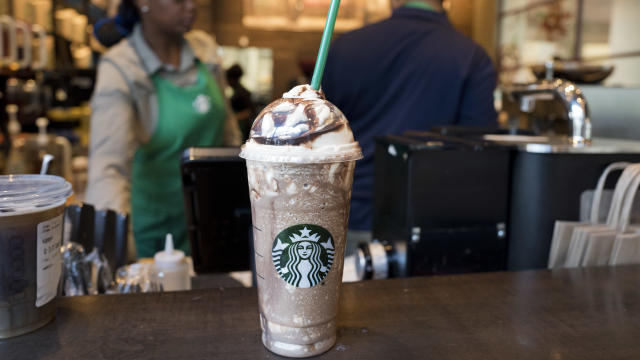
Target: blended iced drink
[300, 160]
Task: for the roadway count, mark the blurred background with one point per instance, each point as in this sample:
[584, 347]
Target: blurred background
[49, 55]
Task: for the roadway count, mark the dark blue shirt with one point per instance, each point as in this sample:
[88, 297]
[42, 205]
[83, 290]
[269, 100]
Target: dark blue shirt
[412, 71]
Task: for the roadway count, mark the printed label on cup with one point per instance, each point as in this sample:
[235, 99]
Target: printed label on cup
[49, 260]
[303, 254]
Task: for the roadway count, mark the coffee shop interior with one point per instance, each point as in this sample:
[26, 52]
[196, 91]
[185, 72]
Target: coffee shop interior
[499, 140]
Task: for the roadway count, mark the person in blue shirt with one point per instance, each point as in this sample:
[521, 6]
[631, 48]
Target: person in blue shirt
[412, 71]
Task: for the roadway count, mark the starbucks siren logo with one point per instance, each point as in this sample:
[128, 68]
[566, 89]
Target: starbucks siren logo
[202, 104]
[303, 254]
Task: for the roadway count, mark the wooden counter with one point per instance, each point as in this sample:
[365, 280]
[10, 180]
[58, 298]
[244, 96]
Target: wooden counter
[565, 314]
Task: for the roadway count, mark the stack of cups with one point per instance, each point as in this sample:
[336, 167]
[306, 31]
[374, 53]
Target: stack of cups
[31, 216]
[64, 22]
[38, 12]
[300, 160]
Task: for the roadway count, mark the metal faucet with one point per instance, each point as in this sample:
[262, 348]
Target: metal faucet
[562, 90]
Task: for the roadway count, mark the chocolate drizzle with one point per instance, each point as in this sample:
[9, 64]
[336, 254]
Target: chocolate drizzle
[279, 118]
[300, 140]
[290, 125]
[310, 112]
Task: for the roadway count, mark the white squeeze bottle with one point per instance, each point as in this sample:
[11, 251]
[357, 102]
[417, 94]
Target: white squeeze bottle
[170, 268]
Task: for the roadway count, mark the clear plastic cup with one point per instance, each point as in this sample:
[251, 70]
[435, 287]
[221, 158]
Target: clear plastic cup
[300, 162]
[31, 220]
[300, 214]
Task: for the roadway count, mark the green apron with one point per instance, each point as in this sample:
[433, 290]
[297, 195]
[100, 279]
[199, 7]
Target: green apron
[189, 116]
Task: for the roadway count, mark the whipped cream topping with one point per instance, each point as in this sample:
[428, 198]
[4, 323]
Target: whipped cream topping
[298, 118]
[302, 127]
[304, 92]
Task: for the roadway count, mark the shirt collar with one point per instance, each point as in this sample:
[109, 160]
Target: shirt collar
[150, 60]
[420, 5]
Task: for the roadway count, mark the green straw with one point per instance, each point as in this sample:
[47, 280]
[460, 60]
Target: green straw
[324, 44]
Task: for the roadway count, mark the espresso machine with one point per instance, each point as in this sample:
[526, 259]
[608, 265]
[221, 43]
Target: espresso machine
[464, 200]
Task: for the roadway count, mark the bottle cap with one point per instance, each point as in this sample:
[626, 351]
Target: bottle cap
[169, 257]
[12, 109]
[14, 128]
[42, 124]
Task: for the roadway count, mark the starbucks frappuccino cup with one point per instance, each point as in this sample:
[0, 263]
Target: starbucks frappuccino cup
[300, 160]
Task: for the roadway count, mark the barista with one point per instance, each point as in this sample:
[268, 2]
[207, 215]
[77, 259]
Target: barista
[158, 92]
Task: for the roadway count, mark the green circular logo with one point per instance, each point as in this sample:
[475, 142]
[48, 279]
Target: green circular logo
[303, 254]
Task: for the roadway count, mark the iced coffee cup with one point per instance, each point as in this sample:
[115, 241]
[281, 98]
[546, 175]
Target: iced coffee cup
[300, 160]
[31, 217]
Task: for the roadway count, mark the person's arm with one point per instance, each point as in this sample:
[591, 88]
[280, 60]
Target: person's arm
[112, 141]
[476, 106]
[232, 135]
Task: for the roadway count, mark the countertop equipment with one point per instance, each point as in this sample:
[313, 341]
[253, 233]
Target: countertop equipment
[440, 205]
[550, 107]
[575, 71]
[468, 202]
[218, 209]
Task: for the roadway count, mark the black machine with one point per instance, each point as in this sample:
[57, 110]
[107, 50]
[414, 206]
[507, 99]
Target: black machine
[444, 202]
[461, 203]
[218, 209]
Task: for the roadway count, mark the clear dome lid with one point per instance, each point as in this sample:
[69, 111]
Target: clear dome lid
[29, 193]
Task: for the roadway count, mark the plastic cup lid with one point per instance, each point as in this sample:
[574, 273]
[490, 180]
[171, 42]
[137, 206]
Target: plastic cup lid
[21, 194]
